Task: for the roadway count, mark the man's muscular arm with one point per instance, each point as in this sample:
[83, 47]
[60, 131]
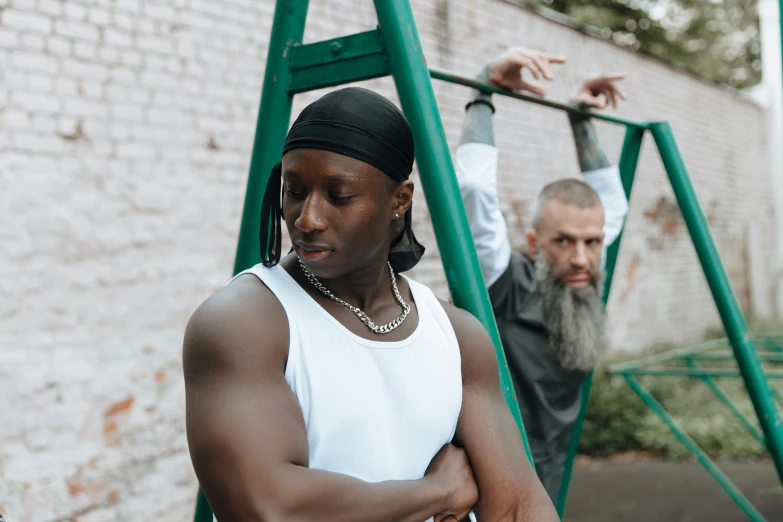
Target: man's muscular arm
[509, 490]
[588, 149]
[247, 436]
[597, 93]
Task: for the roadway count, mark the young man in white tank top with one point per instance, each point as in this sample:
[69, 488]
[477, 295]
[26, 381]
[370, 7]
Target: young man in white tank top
[330, 388]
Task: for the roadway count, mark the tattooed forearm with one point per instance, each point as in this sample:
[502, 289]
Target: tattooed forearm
[588, 149]
[477, 126]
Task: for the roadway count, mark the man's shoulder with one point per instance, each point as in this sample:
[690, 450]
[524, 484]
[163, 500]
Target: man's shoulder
[226, 326]
[475, 346]
[461, 320]
[516, 283]
[242, 298]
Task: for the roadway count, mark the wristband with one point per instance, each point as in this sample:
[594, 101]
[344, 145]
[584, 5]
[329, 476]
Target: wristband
[481, 101]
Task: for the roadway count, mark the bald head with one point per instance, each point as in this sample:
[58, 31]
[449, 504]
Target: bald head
[567, 229]
[566, 191]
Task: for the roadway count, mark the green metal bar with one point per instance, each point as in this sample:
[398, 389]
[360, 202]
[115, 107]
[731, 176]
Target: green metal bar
[271, 127]
[274, 115]
[203, 511]
[687, 372]
[337, 61]
[725, 399]
[629, 158]
[771, 342]
[417, 97]
[776, 393]
[450, 77]
[768, 357]
[730, 312]
[724, 482]
[666, 356]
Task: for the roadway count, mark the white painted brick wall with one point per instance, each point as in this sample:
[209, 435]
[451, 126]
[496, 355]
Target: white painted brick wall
[125, 133]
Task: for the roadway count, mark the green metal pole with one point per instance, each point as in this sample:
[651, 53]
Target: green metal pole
[450, 77]
[715, 373]
[203, 511]
[271, 128]
[411, 76]
[735, 494]
[776, 357]
[775, 393]
[730, 312]
[629, 158]
[725, 399]
[274, 115]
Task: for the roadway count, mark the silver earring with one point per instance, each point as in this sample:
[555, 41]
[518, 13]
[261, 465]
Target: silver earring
[396, 215]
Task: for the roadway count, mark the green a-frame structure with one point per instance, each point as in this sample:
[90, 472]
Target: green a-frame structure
[394, 48]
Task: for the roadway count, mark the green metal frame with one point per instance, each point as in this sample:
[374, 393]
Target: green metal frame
[629, 158]
[712, 468]
[395, 49]
[683, 363]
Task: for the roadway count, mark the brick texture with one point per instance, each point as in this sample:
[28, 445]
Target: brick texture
[126, 131]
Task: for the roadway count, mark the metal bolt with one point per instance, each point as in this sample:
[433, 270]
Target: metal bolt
[337, 48]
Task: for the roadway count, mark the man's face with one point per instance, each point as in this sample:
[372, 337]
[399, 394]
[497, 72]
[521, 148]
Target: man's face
[339, 210]
[571, 238]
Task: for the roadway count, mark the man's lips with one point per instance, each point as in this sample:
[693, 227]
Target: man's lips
[578, 277]
[312, 252]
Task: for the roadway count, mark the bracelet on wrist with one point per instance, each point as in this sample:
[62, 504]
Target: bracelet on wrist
[481, 101]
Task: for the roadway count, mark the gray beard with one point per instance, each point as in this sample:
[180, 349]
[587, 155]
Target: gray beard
[575, 318]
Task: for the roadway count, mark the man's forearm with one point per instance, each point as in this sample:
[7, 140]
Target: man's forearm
[477, 126]
[588, 149]
[305, 495]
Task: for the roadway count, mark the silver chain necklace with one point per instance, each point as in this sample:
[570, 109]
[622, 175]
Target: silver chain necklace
[379, 329]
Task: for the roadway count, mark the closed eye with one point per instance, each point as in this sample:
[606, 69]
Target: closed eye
[293, 193]
[341, 198]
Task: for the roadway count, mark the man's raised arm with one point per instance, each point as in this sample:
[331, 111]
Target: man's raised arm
[476, 161]
[247, 435]
[597, 170]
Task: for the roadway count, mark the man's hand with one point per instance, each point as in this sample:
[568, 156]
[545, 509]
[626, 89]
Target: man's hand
[506, 70]
[451, 469]
[590, 91]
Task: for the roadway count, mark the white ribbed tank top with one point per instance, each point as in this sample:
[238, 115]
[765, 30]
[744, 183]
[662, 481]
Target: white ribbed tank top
[373, 410]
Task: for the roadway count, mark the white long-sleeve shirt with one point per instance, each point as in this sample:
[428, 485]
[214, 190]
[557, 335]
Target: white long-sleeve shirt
[476, 167]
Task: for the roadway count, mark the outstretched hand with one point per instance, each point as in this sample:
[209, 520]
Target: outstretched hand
[506, 70]
[600, 91]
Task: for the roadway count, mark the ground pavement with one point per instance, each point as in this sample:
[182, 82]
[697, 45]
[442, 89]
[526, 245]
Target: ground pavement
[655, 491]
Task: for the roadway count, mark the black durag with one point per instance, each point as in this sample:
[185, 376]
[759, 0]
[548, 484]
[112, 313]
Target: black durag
[360, 124]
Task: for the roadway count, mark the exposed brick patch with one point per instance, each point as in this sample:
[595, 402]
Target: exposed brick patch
[119, 407]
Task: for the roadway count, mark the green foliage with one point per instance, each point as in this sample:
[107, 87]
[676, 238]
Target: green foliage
[615, 418]
[716, 39]
[617, 421]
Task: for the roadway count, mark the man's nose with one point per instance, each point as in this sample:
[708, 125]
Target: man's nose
[310, 219]
[579, 258]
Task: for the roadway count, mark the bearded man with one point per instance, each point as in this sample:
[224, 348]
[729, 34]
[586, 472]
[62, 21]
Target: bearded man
[547, 300]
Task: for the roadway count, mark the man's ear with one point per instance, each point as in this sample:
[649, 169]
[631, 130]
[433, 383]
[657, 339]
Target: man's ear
[403, 199]
[531, 238]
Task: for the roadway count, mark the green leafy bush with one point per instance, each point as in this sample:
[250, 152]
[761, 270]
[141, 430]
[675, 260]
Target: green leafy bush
[617, 421]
